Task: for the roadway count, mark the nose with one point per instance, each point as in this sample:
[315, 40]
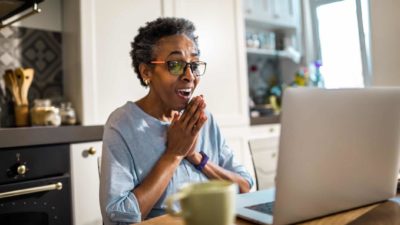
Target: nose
[188, 74]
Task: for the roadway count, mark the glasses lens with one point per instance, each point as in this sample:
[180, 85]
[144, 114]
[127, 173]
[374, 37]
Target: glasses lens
[198, 68]
[176, 67]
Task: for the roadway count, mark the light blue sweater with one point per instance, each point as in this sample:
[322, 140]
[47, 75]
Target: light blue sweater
[133, 141]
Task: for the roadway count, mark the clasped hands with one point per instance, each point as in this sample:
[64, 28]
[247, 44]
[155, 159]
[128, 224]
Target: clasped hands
[184, 129]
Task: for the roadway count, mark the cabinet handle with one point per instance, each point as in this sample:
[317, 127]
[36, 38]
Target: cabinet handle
[50, 187]
[92, 151]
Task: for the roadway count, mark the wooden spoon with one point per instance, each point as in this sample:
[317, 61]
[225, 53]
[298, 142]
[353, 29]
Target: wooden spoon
[24, 78]
[28, 72]
[12, 85]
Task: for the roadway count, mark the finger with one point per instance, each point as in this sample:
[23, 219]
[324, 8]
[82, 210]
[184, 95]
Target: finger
[188, 106]
[190, 111]
[194, 119]
[200, 123]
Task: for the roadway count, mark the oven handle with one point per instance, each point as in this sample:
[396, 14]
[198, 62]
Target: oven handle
[50, 187]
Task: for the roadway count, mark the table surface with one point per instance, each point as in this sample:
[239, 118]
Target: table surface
[385, 213]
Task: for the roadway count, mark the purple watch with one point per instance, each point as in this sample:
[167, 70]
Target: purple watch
[203, 162]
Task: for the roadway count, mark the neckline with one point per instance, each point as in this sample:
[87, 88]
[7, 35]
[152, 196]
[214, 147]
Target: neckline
[145, 114]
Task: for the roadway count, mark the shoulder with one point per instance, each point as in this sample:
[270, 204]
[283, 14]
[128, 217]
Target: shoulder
[125, 115]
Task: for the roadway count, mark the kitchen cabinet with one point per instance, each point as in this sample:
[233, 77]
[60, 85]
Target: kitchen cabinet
[97, 66]
[275, 13]
[280, 17]
[98, 72]
[85, 182]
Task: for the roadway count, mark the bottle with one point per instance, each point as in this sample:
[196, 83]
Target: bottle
[318, 80]
[68, 116]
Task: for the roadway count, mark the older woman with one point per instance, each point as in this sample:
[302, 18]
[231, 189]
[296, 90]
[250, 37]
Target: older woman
[154, 145]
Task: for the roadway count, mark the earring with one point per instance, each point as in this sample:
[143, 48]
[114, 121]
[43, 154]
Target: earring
[147, 82]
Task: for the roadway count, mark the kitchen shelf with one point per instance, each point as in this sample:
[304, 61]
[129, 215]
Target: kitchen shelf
[268, 52]
[294, 56]
[265, 120]
[270, 24]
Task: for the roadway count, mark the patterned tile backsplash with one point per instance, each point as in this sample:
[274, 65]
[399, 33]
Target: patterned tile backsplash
[37, 49]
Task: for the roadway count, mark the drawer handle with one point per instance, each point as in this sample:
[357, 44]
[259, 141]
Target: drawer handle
[50, 187]
[92, 151]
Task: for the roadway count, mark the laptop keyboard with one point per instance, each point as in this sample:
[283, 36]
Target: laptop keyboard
[267, 208]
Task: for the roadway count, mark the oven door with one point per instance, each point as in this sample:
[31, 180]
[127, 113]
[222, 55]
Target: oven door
[43, 201]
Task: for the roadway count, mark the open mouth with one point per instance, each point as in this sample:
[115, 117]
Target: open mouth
[185, 93]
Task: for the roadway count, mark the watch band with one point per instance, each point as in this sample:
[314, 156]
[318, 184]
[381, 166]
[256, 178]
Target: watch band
[203, 162]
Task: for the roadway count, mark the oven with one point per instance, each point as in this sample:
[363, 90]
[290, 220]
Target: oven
[35, 185]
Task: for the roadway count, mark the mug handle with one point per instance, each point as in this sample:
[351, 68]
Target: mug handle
[170, 201]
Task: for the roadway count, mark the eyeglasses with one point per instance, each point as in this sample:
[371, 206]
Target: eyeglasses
[178, 68]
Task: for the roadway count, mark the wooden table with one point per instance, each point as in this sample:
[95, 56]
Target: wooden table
[386, 213]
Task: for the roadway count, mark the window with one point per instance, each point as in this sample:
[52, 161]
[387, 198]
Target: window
[339, 27]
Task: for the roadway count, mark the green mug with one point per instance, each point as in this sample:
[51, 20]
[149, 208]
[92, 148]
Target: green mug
[211, 202]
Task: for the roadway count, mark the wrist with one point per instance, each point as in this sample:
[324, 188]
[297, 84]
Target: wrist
[203, 162]
[194, 158]
[173, 157]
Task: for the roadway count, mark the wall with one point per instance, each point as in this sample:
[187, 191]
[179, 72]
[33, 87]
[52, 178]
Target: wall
[385, 42]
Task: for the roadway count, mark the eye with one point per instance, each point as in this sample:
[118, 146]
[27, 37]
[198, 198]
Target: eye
[175, 67]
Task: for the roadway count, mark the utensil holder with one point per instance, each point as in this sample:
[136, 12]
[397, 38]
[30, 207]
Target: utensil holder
[21, 115]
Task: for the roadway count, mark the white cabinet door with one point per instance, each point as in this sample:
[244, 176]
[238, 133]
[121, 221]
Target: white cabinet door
[220, 29]
[259, 9]
[284, 11]
[98, 72]
[85, 183]
[275, 13]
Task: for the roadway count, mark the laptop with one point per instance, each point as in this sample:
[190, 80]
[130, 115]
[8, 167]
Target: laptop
[338, 150]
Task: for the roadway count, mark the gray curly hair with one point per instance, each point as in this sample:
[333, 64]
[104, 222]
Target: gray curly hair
[148, 36]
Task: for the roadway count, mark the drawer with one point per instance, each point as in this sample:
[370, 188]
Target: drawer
[266, 181]
[265, 160]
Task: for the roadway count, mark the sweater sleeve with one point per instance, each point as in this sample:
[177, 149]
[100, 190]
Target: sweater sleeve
[226, 157]
[118, 178]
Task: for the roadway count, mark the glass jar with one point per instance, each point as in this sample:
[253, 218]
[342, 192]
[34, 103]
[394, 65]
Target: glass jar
[44, 114]
[68, 116]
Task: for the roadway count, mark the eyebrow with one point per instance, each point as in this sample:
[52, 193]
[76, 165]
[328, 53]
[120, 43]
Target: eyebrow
[180, 53]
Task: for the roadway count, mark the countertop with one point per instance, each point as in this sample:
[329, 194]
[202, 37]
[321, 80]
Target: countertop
[30, 136]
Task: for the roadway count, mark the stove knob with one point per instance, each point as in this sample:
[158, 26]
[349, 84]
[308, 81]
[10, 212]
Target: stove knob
[21, 169]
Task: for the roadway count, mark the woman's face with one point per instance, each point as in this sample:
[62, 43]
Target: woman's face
[173, 92]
